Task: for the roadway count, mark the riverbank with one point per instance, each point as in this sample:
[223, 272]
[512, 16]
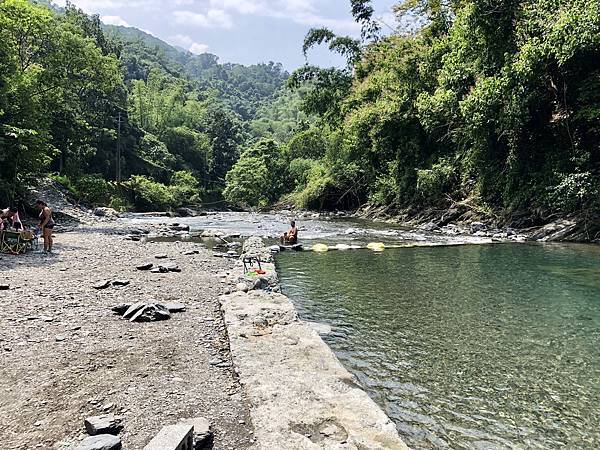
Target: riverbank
[64, 355]
[301, 397]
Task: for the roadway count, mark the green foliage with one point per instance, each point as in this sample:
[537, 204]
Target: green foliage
[257, 178]
[97, 103]
[495, 101]
[149, 195]
[576, 192]
[185, 188]
[94, 189]
[433, 183]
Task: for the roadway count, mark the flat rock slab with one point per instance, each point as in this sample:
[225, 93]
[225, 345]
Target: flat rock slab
[161, 256]
[100, 442]
[301, 395]
[173, 437]
[120, 282]
[102, 284]
[4, 287]
[145, 266]
[105, 424]
[175, 307]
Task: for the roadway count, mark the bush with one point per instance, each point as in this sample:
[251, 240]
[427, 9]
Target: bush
[149, 195]
[257, 178]
[94, 189]
[576, 192]
[299, 170]
[66, 182]
[185, 188]
[433, 183]
[318, 182]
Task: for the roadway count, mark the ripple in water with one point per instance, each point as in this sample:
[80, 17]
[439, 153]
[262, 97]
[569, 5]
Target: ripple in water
[465, 347]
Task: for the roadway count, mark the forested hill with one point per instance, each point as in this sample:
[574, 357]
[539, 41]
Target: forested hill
[120, 117]
[488, 107]
[484, 106]
[244, 88]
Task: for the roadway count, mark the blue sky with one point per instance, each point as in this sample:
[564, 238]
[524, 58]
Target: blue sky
[242, 31]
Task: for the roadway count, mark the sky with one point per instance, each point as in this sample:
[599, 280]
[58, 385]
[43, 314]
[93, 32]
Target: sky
[240, 31]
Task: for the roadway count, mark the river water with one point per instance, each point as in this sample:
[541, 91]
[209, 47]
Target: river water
[476, 346]
[480, 346]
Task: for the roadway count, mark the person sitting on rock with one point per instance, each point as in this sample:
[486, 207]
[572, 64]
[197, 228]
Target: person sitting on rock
[291, 236]
[10, 214]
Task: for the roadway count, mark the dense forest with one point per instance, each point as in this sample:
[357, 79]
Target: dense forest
[121, 118]
[490, 105]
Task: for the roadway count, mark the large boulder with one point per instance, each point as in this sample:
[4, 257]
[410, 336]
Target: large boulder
[105, 424]
[106, 212]
[100, 442]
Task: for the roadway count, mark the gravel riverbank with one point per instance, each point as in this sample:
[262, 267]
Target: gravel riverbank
[65, 356]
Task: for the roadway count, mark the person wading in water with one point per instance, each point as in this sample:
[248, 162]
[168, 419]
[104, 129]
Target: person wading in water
[291, 236]
[46, 224]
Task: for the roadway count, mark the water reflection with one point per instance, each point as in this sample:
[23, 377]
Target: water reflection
[465, 347]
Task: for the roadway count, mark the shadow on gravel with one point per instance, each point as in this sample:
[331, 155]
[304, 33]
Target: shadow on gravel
[36, 258]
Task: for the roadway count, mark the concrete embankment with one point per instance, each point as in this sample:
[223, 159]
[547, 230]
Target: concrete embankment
[300, 395]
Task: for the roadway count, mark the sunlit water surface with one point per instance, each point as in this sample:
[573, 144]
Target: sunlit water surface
[465, 347]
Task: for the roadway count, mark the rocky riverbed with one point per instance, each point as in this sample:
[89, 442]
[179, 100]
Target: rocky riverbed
[65, 355]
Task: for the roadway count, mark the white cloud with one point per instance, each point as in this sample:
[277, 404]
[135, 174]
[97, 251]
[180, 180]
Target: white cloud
[188, 43]
[303, 12]
[114, 20]
[213, 18]
[180, 40]
[197, 48]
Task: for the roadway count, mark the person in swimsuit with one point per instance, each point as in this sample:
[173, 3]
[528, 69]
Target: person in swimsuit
[291, 236]
[46, 224]
[11, 214]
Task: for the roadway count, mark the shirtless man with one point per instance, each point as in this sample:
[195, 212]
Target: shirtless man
[291, 236]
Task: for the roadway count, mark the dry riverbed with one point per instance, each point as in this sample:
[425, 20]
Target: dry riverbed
[65, 356]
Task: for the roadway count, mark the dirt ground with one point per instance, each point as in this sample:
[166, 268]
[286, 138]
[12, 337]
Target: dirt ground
[65, 356]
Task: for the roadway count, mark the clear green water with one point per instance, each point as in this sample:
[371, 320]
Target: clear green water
[465, 347]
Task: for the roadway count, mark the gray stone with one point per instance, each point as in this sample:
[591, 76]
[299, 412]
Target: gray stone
[260, 283]
[106, 212]
[4, 287]
[120, 282]
[185, 212]
[430, 226]
[241, 287]
[173, 437]
[102, 284]
[161, 256]
[170, 267]
[150, 313]
[133, 309]
[202, 433]
[175, 307]
[120, 308]
[100, 442]
[478, 226]
[145, 266]
[105, 424]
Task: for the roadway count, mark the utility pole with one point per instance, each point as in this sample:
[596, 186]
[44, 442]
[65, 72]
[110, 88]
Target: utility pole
[119, 148]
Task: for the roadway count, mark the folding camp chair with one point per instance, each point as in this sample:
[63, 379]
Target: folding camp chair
[15, 242]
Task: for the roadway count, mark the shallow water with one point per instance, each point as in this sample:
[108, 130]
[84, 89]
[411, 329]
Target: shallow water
[465, 347]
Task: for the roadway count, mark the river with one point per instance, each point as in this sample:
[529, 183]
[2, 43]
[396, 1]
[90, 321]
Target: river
[476, 346]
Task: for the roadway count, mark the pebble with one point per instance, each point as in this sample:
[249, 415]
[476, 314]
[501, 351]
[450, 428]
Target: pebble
[161, 256]
[102, 284]
[145, 266]
[4, 287]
